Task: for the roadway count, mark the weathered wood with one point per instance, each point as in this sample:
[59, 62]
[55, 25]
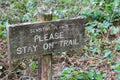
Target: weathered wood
[9, 54]
[45, 67]
[43, 38]
[40, 67]
[45, 17]
[45, 61]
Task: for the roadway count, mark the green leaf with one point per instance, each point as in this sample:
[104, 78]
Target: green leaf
[118, 47]
[33, 65]
[117, 68]
[106, 24]
[6, 23]
[107, 53]
[55, 17]
[114, 30]
[2, 26]
[1, 33]
[91, 74]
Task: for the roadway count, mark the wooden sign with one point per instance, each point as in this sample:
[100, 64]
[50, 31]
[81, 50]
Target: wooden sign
[33, 39]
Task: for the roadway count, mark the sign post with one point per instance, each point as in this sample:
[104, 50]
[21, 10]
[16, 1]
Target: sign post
[45, 61]
[41, 38]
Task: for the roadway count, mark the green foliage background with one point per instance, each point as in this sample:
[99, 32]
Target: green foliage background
[101, 31]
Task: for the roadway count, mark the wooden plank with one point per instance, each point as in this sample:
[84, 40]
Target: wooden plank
[33, 39]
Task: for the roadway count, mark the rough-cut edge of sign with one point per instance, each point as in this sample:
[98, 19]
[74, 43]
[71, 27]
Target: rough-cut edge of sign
[9, 53]
[27, 23]
[8, 42]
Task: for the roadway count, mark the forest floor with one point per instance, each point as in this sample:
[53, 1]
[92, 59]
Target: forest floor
[97, 61]
[102, 51]
[61, 62]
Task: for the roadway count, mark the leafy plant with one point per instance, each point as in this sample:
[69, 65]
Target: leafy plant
[73, 74]
[100, 15]
[116, 67]
[2, 31]
[95, 75]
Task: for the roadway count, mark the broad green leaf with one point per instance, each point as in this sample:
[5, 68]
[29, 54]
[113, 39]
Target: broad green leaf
[91, 74]
[107, 53]
[118, 47]
[114, 30]
[117, 68]
[106, 24]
